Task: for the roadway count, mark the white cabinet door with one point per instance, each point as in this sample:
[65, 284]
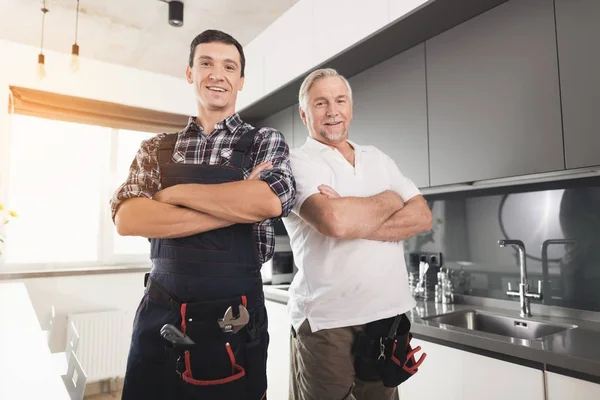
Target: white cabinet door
[449, 374]
[278, 361]
[439, 377]
[562, 387]
[499, 380]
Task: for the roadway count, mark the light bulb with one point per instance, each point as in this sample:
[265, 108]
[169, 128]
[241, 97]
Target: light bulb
[75, 58]
[41, 68]
[74, 62]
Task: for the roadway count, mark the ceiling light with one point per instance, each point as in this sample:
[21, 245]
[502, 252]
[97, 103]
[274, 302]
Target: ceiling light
[75, 47]
[176, 13]
[41, 65]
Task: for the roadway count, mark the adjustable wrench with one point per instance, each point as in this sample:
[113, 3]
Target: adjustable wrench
[229, 323]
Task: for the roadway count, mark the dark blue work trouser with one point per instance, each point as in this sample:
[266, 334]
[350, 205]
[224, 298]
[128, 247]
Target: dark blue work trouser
[156, 371]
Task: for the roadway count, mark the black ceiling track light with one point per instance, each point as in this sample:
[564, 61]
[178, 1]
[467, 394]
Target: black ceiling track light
[176, 13]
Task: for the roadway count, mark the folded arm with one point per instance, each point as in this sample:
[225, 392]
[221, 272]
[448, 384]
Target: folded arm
[414, 218]
[349, 217]
[135, 214]
[153, 219]
[240, 202]
[267, 192]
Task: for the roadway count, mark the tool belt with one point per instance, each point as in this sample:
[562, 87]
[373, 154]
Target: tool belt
[383, 352]
[218, 352]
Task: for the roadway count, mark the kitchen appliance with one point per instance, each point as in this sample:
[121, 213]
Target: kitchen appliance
[283, 268]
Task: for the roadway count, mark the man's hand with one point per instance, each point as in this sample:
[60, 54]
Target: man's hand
[328, 191]
[255, 174]
[164, 196]
[332, 194]
[414, 218]
[348, 217]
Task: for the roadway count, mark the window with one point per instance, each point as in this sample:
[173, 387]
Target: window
[61, 177]
[127, 146]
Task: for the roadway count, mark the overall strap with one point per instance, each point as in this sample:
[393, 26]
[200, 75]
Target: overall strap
[241, 148]
[166, 148]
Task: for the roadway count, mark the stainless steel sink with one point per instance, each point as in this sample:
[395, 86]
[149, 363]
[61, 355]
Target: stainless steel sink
[499, 324]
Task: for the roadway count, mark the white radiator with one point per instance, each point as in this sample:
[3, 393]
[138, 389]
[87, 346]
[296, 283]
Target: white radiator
[104, 339]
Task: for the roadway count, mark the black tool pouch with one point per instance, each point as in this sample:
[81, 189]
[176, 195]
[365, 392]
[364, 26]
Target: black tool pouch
[383, 351]
[213, 368]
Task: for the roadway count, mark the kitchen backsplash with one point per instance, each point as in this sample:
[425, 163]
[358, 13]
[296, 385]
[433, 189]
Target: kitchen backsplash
[468, 225]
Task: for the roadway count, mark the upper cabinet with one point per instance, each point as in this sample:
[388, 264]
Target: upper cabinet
[288, 122]
[283, 122]
[332, 37]
[493, 95]
[578, 30]
[390, 112]
[300, 130]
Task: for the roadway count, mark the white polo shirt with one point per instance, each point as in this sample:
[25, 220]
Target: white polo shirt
[345, 282]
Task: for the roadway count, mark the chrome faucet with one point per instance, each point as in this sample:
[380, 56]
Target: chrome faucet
[523, 293]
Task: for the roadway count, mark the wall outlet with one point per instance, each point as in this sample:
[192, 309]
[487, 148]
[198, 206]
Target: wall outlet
[435, 260]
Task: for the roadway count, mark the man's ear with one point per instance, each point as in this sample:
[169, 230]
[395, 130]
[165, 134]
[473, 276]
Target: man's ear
[302, 115]
[241, 83]
[188, 74]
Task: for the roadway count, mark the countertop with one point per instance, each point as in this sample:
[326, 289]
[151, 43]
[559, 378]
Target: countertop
[574, 352]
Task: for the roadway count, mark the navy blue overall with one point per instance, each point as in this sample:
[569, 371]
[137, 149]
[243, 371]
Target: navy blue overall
[193, 281]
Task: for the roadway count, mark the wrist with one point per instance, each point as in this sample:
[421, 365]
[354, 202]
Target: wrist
[173, 195]
[395, 200]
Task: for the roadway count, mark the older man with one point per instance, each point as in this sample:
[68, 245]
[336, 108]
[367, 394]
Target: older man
[353, 209]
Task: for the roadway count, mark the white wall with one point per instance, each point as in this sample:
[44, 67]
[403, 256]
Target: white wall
[100, 81]
[305, 36]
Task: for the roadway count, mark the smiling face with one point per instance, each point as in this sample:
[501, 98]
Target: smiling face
[328, 110]
[216, 76]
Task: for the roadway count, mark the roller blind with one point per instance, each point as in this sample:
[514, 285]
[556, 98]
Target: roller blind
[56, 106]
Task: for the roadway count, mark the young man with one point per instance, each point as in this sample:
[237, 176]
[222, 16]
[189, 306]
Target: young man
[353, 208]
[206, 198]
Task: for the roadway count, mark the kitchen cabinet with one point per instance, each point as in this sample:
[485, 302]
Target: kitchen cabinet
[283, 122]
[390, 112]
[278, 358]
[449, 373]
[300, 130]
[493, 95]
[290, 42]
[359, 23]
[439, 377]
[560, 387]
[578, 30]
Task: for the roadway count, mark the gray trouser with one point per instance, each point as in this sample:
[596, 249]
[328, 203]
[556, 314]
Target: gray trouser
[322, 367]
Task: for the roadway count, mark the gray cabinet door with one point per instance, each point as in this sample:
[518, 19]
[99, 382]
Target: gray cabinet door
[283, 122]
[300, 130]
[578, 30]
[493, 95]
[390, 112]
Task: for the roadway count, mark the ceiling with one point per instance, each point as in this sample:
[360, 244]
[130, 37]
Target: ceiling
[134, 33]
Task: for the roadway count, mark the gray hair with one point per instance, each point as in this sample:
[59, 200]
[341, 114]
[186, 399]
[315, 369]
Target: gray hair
[315, 76]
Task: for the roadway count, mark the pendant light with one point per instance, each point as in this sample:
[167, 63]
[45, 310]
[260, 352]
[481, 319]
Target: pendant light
[75, 47]
[41, 66]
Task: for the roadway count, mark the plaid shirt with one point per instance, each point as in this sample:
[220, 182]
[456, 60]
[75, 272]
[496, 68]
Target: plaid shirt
[194, 146]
